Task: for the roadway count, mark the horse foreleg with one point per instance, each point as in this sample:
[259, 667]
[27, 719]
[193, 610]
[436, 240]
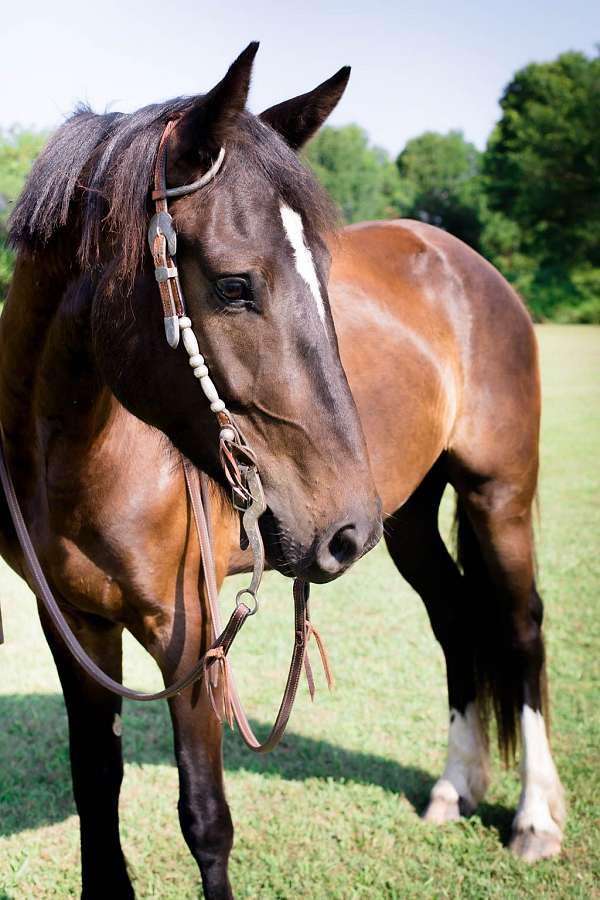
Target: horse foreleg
[95, 749]
[176, 642]
[203, 811]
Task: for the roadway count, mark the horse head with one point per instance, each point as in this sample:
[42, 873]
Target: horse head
[253, 262]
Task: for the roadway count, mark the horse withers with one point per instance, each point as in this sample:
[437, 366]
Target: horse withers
[96, 408]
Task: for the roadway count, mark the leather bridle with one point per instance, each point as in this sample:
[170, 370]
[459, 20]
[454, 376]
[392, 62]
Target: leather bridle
[240, 467]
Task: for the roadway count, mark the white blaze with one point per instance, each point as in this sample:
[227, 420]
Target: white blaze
[305, 264]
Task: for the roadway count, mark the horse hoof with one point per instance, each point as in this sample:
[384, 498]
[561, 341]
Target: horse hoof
[446, 804]
[532, 845]
[442, 810]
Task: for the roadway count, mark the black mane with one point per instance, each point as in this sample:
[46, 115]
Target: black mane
[95, 175]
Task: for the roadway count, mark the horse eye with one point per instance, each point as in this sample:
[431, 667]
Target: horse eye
[234, 290]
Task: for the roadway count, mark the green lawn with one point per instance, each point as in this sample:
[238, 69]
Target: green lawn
[334, 812]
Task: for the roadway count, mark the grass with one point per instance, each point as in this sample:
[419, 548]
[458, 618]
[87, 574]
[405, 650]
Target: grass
[334, 812]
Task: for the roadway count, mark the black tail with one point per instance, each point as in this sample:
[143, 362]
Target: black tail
[499, 672]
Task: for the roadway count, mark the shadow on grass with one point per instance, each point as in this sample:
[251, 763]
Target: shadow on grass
[35, 779]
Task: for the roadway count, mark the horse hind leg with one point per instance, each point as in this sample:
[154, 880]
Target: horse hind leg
[415, 544]
[496, 550]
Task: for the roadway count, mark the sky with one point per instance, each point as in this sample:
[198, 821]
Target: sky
[416, 66]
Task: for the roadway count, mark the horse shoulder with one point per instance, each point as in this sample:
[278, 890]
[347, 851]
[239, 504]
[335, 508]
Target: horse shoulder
[114, 534]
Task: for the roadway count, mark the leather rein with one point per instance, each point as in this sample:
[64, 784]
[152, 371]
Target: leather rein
[239, 464]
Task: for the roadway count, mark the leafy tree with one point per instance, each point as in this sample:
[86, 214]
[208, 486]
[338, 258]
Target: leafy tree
[18, 149]
[542, 163]
[530, 203]
[361, 179]
[443, 171]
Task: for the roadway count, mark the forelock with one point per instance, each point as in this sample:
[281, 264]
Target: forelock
[95, 176]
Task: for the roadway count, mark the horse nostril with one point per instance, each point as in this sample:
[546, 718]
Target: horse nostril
[343, 546]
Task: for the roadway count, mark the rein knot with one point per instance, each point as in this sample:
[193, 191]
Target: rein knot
[217, 655]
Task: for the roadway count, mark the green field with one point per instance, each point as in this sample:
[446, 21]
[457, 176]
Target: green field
[334, 812]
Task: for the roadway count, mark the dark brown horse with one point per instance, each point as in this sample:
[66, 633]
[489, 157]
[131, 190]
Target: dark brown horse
[441, 359]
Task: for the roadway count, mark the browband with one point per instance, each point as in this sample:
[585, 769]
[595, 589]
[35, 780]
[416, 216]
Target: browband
[164, 192]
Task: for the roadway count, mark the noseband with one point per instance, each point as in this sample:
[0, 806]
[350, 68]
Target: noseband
[241, 471]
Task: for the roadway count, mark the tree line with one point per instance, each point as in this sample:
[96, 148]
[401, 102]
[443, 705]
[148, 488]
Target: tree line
[530, 202]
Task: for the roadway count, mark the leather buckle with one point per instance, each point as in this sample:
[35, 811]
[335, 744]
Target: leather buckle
[161, 223]
[163, 273]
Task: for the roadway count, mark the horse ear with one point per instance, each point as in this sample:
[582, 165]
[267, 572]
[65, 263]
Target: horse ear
[298, 119]
[204, 127]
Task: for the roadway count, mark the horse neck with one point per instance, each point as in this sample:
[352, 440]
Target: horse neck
[48, 382]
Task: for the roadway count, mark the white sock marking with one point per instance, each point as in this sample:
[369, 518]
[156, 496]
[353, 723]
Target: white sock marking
[541, 806]
[467, 769]
[305, 264]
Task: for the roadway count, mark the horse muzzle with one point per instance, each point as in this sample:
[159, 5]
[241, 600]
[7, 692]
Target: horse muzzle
[329, 554]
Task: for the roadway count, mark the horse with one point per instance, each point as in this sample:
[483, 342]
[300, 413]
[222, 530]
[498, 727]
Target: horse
[366, 368]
